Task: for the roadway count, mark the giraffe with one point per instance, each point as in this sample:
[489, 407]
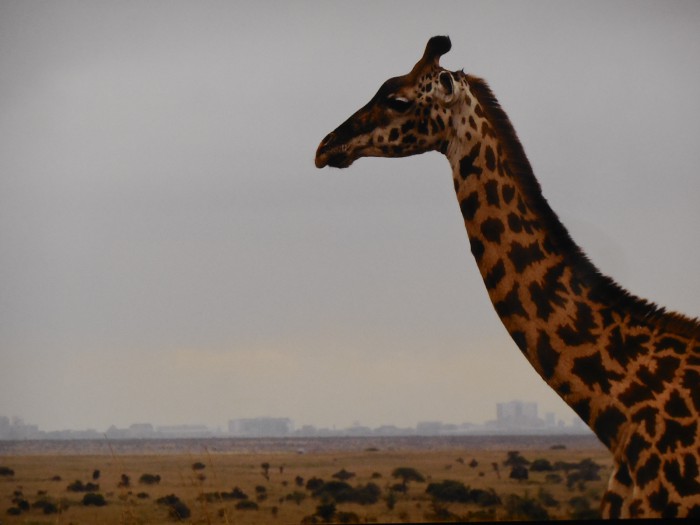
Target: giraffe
[628, 368]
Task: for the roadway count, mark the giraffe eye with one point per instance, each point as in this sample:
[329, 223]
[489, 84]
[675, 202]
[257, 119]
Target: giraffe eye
[399, 104]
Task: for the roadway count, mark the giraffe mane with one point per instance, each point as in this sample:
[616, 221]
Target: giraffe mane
[604, 287]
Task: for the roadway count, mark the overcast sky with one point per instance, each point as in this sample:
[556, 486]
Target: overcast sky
[170, 254]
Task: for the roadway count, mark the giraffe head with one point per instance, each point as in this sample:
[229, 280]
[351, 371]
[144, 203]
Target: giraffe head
[408, 115]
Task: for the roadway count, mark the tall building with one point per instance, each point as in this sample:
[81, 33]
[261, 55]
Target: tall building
[261, 427]
[517, 414]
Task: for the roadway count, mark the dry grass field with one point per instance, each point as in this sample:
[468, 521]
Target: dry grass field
[212, 483]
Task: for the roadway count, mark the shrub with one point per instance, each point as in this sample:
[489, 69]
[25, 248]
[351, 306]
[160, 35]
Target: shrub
[525, 508]
[515, 459]
[541, 465]
[179, 511]
[325, 511]
[6, 471]
[299, 481]
[545, 497]
[582, 510]
[198, 466]
[399, 487]
[296, 496]
[484, 498]
[246, 504]
[449, 491]
[47, 506]
[408, 474]
[346, 517]
[50, 508]
[22, 504]
[519, 472]
[343, 475]
[149, 479]
[79, 486]
[92, 498]
[14, 511]
[314, 484]
[342, 492]
[553, 478]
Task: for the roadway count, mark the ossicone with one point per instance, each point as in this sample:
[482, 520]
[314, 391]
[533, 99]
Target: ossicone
[437, 46]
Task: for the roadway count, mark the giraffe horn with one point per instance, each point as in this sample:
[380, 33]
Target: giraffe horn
[436, 47]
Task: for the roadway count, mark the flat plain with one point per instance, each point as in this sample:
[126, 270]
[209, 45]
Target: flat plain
[316, 480]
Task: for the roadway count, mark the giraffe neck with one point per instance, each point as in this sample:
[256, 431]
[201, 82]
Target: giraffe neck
[542, 286]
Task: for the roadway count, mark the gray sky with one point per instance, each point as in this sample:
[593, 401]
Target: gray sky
[169, 253]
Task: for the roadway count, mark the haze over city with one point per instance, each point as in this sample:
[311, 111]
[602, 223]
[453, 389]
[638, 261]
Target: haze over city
[170, 253]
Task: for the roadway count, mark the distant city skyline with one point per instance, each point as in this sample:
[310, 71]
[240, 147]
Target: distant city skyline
[512, 417]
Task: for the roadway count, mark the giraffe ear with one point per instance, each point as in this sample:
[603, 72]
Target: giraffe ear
[447, 87]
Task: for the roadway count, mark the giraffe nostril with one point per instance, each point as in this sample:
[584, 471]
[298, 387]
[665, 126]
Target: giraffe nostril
[328, 139]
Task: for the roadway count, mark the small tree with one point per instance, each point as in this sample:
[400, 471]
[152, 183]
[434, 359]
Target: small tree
[149, 479]
[514, 459]
[343, 475]
[519, 472]
[541, 465]
[407, 474]
[94, 499]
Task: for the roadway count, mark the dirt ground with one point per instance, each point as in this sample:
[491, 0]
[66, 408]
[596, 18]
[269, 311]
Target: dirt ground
[267, 481]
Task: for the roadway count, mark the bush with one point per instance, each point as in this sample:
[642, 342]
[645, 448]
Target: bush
[79, 486]
[22, 504]
[553, 478]
[296, 496]
[346, 517]
[408, 474]
[342, 492]
[149, 479]
[546, 498]
[198, 466]
[449, 491]
[525, 508]
[47, 506]
[177, 510]
[6, 471]
[314, 484]
[246, 504]
[582, 510]
[541, 465]
[343, 475]
[514, 459]
[519, 472]
[92, 498]
[484, 498]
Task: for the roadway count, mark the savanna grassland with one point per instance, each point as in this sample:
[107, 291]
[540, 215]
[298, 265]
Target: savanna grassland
[302, 480]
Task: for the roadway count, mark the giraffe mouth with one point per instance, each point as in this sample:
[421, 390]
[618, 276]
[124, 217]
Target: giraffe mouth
[335, 156]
